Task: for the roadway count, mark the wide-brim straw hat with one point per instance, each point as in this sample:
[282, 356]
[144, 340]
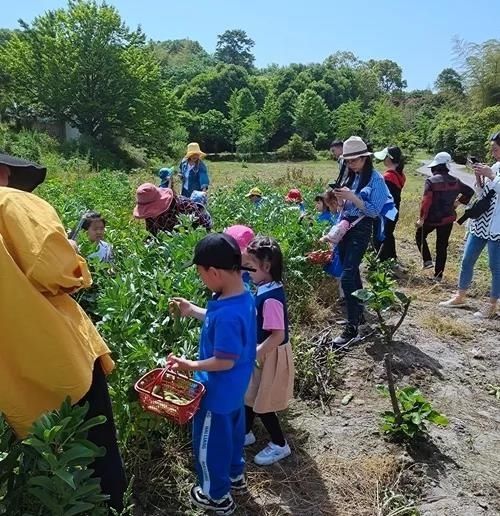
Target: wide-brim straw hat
[24, 175]
[152, 201]
[193, 149]
[355, 147]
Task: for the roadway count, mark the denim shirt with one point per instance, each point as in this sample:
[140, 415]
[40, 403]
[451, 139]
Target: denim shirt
[193, 178]
[375, 195]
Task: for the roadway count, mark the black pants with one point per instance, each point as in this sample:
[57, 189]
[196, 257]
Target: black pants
[386, 249]
[271, 424]
[110, 467]
[442, 238]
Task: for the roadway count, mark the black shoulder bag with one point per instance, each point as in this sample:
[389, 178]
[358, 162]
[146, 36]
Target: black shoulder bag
[478, 208]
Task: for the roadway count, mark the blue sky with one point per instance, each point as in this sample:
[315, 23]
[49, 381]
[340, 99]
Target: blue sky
[417, 35]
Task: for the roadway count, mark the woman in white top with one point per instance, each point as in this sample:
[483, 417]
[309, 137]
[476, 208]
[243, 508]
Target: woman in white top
[484, 231]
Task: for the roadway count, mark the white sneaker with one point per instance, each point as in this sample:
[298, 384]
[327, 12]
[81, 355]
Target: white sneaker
[272, 453]
[250, 439]
[454, 302]
[487, 313]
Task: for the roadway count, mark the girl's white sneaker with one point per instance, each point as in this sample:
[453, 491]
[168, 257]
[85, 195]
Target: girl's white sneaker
[272, 453]
[250, 439]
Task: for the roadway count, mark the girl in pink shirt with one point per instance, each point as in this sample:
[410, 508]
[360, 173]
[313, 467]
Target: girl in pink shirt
[271, 386]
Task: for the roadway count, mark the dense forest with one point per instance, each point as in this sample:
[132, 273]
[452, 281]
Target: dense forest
[124, 93]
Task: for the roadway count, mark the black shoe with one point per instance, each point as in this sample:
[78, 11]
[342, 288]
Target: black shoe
[222, 507]
[239, 483]
[350, 334]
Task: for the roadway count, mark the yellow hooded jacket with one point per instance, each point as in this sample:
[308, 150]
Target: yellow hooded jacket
[48, 345]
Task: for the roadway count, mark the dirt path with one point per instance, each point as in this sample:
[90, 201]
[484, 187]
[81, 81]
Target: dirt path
[341, 464]
[459, 171]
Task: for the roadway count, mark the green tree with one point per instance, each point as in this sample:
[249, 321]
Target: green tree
[384, 123]
[390, 74]
[311, 114]
[349, 119]
[270, 115]
[251, 137]
[181, 60]
[474, 132]
[481, 70]
[214, 131]
[445, 132]
[84, 66]
[241, 106]
[449, 81]
[218, 84]
[235, 47]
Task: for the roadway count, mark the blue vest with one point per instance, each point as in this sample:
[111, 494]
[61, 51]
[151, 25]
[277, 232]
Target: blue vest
[269, 291]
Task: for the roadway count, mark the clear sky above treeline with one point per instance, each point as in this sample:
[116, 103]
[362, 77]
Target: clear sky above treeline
[417, 35]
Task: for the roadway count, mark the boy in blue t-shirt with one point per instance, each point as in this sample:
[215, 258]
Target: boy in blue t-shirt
[227, 353]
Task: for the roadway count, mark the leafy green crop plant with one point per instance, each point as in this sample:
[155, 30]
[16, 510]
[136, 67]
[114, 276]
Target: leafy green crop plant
[411, 418]
[49, 472]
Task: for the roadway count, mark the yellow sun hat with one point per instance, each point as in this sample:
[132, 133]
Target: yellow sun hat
[193, 149]
[254, 191]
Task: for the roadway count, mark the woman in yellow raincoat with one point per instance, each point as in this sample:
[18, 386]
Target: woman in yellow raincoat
[49, 349]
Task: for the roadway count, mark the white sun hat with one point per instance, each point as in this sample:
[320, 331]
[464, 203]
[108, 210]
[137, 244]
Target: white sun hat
[355, 147]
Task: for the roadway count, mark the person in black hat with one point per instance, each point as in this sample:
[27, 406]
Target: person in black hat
[227, 354]
[21, 174]
[64, 355]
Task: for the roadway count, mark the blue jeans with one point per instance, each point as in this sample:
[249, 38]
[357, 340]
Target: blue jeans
[473, 249]
[352, 248]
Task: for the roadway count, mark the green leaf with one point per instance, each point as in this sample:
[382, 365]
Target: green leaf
[65, 475]
[438, 419]
[91, 423]
[363, 295]
[79, 508]
[383, 390]
[76, 453]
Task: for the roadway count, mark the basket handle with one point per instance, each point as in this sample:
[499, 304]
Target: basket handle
[167, 370]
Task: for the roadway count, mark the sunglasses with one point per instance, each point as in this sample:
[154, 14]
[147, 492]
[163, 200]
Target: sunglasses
[495, 137]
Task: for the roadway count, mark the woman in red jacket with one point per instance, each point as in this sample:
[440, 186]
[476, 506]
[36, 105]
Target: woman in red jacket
[395, 180]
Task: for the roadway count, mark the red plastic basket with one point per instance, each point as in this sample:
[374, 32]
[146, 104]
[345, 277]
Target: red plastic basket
[170, 394]
[321, 257]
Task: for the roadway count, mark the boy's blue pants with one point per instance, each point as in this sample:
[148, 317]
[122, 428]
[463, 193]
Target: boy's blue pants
[218, 449]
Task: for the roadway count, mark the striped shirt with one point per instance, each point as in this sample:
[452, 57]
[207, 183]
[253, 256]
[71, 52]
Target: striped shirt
[374, 195]
[487, 225]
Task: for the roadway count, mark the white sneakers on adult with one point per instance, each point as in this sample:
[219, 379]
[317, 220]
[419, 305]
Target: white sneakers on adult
[490, 312]
[272, 453]
[455, 302]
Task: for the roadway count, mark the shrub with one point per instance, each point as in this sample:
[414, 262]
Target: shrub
[30, 145]
[297, 149]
